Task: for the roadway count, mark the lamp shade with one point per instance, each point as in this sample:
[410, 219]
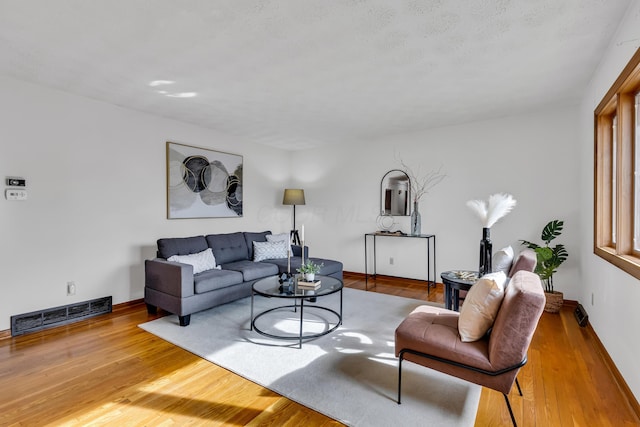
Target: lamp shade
[293, 196]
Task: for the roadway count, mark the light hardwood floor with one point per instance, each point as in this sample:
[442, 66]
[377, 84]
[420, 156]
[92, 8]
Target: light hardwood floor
[107, 371]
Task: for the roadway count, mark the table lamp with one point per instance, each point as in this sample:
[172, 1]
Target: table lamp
[293, 197]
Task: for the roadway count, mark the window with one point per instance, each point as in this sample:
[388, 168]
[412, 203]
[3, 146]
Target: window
[617, 172]
[636, 180]
[614, 174]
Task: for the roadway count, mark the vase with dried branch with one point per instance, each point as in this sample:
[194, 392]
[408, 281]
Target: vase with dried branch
[489, 212]
[420, 182]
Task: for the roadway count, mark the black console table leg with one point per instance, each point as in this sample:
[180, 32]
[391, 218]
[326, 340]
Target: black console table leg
[431, 265]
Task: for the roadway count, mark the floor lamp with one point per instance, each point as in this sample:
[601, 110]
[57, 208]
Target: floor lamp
[293, 197]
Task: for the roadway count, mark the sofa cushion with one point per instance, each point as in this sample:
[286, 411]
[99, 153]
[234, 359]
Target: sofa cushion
[252, 270]
[269, 250]
[296, 250]
[283, 263]
[330, 266]
[181, 246]
[250, 237]
[433, 330]
[202, 261]
[228, 248]
[215, 279]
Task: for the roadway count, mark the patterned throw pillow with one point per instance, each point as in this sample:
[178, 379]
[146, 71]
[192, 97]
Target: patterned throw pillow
[202, 261]
[269, 250]
[282, 237]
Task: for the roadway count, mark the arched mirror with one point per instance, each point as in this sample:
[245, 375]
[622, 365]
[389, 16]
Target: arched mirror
[395, 193]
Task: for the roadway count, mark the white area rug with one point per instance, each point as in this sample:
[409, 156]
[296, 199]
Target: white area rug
[349, 375]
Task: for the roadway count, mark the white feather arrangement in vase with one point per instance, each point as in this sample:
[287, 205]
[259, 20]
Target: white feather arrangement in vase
[489, 212]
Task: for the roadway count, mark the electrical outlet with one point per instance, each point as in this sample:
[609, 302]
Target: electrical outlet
[391, 260]
[71, 288]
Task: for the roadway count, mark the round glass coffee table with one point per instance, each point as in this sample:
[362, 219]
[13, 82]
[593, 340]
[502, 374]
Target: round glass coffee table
[302, 299]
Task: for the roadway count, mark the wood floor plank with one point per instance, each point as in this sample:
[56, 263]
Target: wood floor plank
[107, 371]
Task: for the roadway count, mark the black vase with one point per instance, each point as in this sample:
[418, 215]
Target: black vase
[485, 253]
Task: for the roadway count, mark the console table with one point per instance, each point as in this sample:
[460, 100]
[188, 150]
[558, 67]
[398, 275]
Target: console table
[430, 240]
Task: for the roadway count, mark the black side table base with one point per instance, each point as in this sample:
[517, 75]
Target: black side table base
[452, 287]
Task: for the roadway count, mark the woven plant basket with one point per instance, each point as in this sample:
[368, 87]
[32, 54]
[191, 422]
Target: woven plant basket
[554, 302]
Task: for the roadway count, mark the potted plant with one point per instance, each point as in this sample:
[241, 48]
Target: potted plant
[309, 270]
[549, 259]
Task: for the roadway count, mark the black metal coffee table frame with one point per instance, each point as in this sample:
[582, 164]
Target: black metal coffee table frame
[270, 288]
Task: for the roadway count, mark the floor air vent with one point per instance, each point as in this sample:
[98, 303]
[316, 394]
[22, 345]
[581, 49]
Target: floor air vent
[57, 316]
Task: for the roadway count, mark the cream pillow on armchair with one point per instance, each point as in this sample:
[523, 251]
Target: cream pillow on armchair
[481, 306]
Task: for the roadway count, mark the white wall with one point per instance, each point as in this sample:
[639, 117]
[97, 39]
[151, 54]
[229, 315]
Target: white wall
[530, 156]
[96, 183]
[614, 313]
[97, 196]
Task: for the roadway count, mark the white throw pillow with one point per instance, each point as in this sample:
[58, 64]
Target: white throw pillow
[503, 259]
[270, 250]
[282, 237]
[202, 261]
[481, 306]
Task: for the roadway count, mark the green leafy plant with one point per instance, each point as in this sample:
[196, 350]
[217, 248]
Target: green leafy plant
[310, 267]
[549, 258]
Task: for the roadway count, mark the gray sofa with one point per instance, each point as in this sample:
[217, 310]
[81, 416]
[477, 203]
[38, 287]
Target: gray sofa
[173, 286]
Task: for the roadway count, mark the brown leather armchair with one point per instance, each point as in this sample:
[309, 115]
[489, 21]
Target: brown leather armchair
[429, 337]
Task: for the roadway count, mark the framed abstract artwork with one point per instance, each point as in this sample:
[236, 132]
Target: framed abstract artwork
[203, 183]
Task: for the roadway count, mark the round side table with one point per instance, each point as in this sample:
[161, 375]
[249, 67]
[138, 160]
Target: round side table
[455, 281]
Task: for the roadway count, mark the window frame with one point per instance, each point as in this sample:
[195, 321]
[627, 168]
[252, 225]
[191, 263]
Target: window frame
[616, 245]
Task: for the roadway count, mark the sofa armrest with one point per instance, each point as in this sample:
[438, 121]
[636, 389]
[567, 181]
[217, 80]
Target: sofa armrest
[296, 250]
[171, 278]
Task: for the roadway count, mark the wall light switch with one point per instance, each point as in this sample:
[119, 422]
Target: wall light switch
[13, 194]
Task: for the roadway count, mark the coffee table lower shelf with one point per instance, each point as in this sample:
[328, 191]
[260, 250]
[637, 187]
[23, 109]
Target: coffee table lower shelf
[302, 336]
[270, 287]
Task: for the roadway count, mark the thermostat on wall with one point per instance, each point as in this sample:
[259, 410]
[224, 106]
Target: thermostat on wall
[14, 194]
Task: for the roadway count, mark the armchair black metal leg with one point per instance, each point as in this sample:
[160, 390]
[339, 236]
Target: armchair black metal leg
[518, 384]
[513, 419]
[399, 378]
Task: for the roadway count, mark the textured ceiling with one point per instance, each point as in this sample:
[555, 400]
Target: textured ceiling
[300, 73]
